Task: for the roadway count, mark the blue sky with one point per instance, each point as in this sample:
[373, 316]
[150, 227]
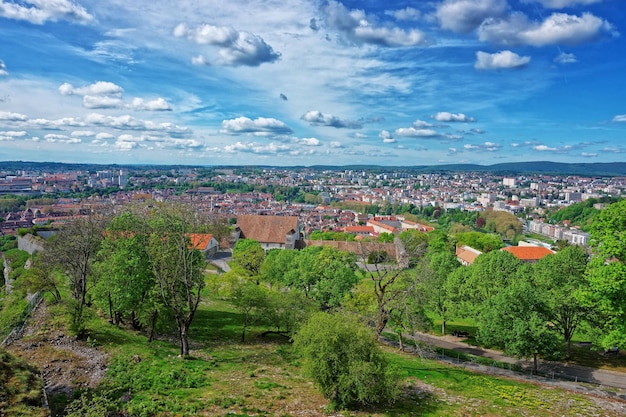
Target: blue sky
[302, 82]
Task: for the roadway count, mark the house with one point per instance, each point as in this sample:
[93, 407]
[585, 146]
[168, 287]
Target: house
[360, 230]
[529, 254]
[272, 232]
[467, 255]
[204, 242]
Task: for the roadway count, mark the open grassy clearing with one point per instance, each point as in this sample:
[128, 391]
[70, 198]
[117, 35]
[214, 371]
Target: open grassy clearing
[263, 378]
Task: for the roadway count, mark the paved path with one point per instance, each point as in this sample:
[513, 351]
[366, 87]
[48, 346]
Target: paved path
[561, 370]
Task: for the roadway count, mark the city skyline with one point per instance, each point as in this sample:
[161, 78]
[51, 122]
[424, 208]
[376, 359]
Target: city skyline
[312, 82]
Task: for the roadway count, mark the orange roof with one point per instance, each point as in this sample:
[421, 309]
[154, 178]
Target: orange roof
[528, 253]
[467, 254]
[200, 241]
[359, 229]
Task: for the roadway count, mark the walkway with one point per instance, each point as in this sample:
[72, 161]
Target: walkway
[560, 370]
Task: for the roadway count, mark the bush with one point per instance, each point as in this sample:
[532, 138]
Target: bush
[345, 361]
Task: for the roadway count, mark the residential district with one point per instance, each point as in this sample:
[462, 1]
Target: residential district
[318, 199]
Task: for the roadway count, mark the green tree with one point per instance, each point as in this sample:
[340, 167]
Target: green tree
[515, 319]
[251, 300]
[343, 359]
[176, 265]
[606, 274]
[433, 275]
[72, 250]
[560, 278]
[249, 254]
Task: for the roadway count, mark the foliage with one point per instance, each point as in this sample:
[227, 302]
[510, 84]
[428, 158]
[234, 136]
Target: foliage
[377, 257]
[7, 242]
[503, 223]
[345, 362]
[40, 277]
[580, 214]
[72, 250]
[483, 242]
[323, 274]
[250, 300]
[249, 254]
[329, 235]
[559, 278]
[606, 274]
[177, 267]
[515, 319]
[20, 388]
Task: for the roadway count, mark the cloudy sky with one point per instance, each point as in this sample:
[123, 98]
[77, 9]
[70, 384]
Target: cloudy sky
[307, 82]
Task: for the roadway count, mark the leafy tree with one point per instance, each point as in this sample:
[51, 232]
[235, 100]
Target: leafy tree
[73, 251]
[40, 277]
[345, 362]
[386, 238]
[514, 319]
[415, 244]
[250, 299]
[481, 241]
[377, 257]
[433, 275]
[560, 278]
[249, 254]
[607, 273]
[176, 265]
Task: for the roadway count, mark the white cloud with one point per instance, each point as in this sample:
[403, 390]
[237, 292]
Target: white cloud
[500, 60]
[83, 133]
[310, 141]
[235, 47]
[99, 88]
[252, 147]
[126, 122]
[12, 134]
[466, 15]
[620, 118]
[357, 27]
[40, 11]
[588, 155]
[55, 138]
[445, 116]
[417, 133]
[102, 102]
[565, 58]
[12, 117]
[546, 148]
[159, 104]
[3, 68]
[335, 144]
[408, 13]
[261, 125]
[317, 118]
[558, 28]
[483, 147]
[420, 124]
[560, 4]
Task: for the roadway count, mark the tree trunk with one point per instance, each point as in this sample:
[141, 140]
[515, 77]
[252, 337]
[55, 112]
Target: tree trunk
[184, 341]
[535, 363]
[400, 340]
[568, 348]
[443, 326]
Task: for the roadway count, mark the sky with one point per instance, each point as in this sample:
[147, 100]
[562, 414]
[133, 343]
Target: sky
[307, 82]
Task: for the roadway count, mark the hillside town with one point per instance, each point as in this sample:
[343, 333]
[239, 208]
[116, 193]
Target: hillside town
[74, 193]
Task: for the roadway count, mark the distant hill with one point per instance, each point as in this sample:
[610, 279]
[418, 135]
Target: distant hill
[608, 169]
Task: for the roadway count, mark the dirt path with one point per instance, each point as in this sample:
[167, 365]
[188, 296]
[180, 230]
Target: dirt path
[66, 364]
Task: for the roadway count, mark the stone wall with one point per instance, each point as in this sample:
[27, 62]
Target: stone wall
[30, 243]
[361, 249]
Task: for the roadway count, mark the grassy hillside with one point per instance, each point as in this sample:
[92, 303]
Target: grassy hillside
[20, 388]
[263, 377]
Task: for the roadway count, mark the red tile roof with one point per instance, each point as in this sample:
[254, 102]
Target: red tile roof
[529, 253]
[267, 229]
[200, 241]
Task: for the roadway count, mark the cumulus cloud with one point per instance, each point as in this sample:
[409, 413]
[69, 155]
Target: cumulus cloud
[317, 118]
[100, 88]
[359, 28]
[55, 138]
[40, 11]
[559, 28]
[83, 133]
[500, 60]
[159, 104]
[565, 58]
[620, 118]
[310, 141]
[12, 117]
[126, 122]
[553, 149]
[253, 147]
[235, 47]
[3, 69]
[408, 13]
[588, 155]
[260, 126]
[386, 136]
[444, 116]
[560, 4]
[483, 147]
[335, 144]
[12, 134]
[614, 149]
[417, 133]
[102, 102]
[464, 16]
